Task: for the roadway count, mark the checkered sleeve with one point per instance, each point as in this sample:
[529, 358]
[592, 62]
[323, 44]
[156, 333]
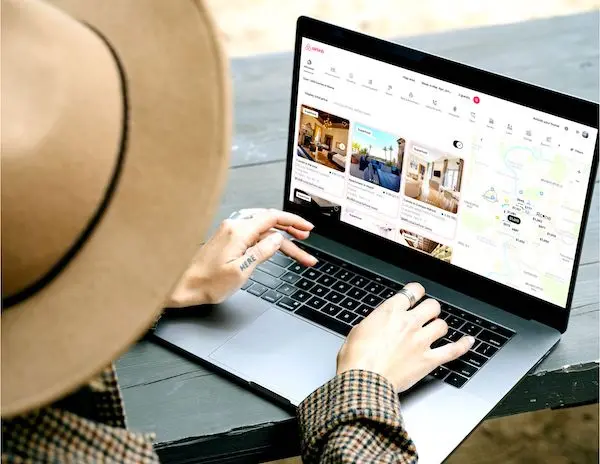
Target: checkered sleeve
[355, 417]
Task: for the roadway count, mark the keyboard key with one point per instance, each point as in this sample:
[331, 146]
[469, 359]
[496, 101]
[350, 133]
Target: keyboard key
[456, 380]
[501, 331]
[372, 300]
[491, 338]
[265, 279]
[463, 368]
[453, 335]
[440, 373]
[350, 303]
[359, 281]
[357, 321]
[439, 342]
[326, 280]
[345, 275]
[271, 269]
[496, 329]
[272, 296]
[301, 296]
[454, 322]
[480, 322]
[334, 297]
[286, 289]
[319, 290]
[396, 286]
[341, 287]
[247, 284]
[486, 350]
[330, 269]
[470, 329]
[290, 277]
[373, 287]
[364, 310]
[257, 289]
[387, 293]
[316, 302]
[311, 274]
[474, 358]
[446, 307]
[281, 260]
[296, 267]
[464, 315]
[357, 293]
[346, 316]
[330, 310]
[288, 303]
[323, 320]
[305, 284]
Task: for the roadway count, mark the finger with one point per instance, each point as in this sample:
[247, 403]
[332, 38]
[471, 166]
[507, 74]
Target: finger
[296, 233]
[293, 251]
[290, 249]
[431, 332]
[400, 301]
[451, 351]
[251, 229]
[258, 253]
[426, 311]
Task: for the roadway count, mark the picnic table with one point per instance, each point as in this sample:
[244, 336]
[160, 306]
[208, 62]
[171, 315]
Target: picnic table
[201, 416]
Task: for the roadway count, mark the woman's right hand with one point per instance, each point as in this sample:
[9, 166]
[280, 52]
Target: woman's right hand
[392, 341]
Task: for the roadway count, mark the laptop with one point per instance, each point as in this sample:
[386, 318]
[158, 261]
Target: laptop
[413, 168]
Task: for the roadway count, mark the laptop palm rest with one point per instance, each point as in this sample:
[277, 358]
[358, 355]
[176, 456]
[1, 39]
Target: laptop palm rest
[278, 352]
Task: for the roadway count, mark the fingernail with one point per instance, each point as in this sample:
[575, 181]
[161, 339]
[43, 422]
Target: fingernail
[314, 260]
[471, 340]
[276, 239]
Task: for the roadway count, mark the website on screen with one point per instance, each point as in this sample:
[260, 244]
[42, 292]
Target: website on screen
[484, 184]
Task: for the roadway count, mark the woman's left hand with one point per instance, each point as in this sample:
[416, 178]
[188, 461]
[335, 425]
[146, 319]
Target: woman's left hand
[224, 263]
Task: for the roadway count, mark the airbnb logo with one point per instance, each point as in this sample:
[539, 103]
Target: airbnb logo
[310, 48]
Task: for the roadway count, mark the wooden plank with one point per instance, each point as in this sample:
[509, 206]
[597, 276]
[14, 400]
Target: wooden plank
[200, 416]
[558, 53]
[151, 374]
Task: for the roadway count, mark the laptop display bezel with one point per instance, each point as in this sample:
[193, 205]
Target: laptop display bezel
[462, 280]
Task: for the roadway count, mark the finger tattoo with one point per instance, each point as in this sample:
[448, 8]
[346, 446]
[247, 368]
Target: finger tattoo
[247, 262]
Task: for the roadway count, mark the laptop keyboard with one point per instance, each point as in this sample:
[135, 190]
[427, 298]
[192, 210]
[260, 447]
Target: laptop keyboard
[338, 295]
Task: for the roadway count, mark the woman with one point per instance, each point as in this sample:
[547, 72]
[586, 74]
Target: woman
[114, 149]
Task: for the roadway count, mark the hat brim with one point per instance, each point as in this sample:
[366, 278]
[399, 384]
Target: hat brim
[176, 164]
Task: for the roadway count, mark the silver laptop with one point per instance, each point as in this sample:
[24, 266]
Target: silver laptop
[413, 168]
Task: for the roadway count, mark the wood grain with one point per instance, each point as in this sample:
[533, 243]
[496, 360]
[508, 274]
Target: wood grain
[199, 416]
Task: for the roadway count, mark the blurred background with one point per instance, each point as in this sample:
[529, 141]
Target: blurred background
[265, 26]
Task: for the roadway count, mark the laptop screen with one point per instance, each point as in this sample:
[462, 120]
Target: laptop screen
[481, 183]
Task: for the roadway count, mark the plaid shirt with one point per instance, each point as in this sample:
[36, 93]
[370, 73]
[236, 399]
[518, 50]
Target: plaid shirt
[355, 417]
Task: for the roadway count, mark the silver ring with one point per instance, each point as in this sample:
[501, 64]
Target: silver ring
[408, 294]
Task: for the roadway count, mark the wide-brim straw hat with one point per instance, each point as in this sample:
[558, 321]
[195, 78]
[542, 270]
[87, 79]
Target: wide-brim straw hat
[115, 142]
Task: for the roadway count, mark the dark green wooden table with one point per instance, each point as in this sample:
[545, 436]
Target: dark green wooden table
[198, 415]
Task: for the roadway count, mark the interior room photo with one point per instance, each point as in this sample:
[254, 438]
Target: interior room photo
[424, 244]
[323, 138]
[377, 157]
[317, 204]
[434, 178]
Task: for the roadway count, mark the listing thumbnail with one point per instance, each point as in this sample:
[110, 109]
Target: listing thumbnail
[433, 177]
[377, 157]
[323, 138]
[425, 245]
[317, 204]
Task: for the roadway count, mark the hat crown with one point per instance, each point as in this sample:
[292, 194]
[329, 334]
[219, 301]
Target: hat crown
[61, 129]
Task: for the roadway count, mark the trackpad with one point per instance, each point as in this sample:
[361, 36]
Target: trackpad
[282, 353]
